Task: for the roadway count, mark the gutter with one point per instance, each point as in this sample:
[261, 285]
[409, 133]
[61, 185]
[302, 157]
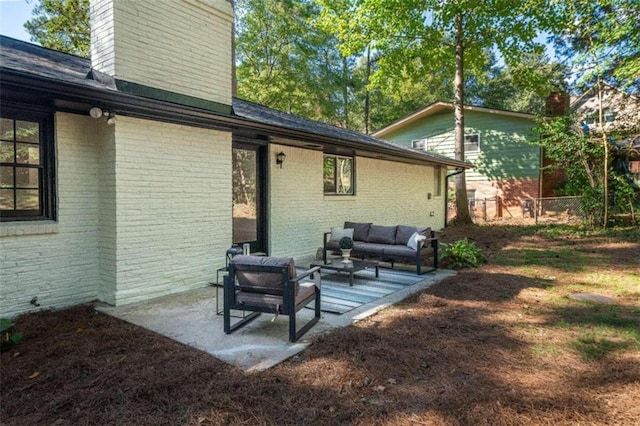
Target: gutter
[446, 194]
[153, 109]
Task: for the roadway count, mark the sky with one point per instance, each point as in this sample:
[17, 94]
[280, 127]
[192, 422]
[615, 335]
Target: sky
[13, 15]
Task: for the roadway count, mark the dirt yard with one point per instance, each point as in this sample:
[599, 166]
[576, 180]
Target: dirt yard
[502, 344]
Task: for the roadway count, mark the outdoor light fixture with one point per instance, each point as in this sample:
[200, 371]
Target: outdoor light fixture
[95, 112]
[111, 118]
[280, 157]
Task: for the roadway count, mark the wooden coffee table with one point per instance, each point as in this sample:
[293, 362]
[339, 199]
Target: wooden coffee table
[354, 266]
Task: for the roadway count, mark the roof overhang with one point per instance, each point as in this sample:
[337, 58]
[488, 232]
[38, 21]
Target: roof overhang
[79, 98]
[437, 107]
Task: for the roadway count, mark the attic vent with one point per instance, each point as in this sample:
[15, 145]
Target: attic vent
[419, 144]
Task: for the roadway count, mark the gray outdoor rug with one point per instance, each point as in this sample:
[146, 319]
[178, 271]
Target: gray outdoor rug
[338, 297]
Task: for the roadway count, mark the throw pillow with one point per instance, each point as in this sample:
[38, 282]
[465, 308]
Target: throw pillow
[415, 241]
[337, 233]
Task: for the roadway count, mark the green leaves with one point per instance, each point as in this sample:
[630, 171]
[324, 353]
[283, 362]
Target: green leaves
[61, 25]
[462, 254]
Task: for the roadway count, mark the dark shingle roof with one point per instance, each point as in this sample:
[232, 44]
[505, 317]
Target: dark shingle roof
[34, 62]
[27, 58]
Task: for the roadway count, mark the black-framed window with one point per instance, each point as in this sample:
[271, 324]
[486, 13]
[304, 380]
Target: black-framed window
[26, 165]
[338, 175]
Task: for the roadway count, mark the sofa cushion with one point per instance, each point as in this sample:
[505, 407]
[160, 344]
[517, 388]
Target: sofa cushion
[374, 249]
[360, 230]
[333, 244]
[403, 233]
[382, 234]
[337, 233]
[424, 231]
[399, 251]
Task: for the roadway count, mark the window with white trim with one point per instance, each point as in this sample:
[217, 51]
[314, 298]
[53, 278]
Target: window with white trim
[419, 144]
[472, 143]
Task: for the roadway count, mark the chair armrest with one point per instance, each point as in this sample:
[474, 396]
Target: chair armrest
[306, 273]
[316, 279]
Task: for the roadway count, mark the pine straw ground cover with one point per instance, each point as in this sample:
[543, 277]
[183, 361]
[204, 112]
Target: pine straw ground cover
[501, 344]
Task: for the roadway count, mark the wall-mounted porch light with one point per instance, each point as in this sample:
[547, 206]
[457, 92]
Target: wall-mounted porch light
[97, 112]
[280, 157]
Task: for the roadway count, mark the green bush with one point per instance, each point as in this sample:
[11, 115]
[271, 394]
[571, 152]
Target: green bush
[462, 254]
[8, 338]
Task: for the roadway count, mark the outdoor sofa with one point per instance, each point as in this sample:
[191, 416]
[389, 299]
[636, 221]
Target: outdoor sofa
[399, 243]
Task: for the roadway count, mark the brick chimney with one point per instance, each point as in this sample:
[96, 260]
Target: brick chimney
[557, 103]
[181, 46]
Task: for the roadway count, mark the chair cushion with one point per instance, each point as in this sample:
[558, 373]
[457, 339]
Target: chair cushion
[382, 234]
[360, 230]
[403, 233]
[307, 289]
[264, 300]
[248, 278]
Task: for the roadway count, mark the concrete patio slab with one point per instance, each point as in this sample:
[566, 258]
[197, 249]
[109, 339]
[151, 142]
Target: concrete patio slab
[190, 318]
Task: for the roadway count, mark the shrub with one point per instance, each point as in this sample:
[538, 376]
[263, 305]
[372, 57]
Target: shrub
[462, 254]
[8, 338]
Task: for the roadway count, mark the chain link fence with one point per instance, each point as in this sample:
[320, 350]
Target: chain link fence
[538, 210]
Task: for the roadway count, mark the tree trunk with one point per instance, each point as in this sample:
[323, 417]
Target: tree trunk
[366, 93]
[605, 183]
[345, 91]
[462, 203]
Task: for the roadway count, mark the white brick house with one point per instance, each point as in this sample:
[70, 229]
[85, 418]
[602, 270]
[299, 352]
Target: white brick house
[143, 207]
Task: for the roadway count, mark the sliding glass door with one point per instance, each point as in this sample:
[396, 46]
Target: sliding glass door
[249, 196]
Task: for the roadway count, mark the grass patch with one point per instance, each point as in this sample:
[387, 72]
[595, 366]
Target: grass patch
[545, 350]
[562, 259]
[602, 330]
[596, 349]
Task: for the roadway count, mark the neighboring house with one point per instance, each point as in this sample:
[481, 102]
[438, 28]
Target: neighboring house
[128, 176]
[621, 122]
[497, 142]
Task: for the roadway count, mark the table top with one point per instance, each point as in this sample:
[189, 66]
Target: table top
[353, 266]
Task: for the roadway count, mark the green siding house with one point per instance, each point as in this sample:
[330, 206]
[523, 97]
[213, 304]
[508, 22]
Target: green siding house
[498, 143]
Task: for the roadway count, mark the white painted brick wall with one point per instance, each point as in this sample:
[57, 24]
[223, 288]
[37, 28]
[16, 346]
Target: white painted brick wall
[173, 203]
[57, 262]
[181, 46]
[387, 193]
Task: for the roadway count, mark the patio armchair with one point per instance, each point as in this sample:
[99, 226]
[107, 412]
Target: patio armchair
[269, 284]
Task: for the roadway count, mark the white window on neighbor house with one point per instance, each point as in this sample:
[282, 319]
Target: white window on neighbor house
[609, 115]
[471, 198]
[419, 144]
[472, 143]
